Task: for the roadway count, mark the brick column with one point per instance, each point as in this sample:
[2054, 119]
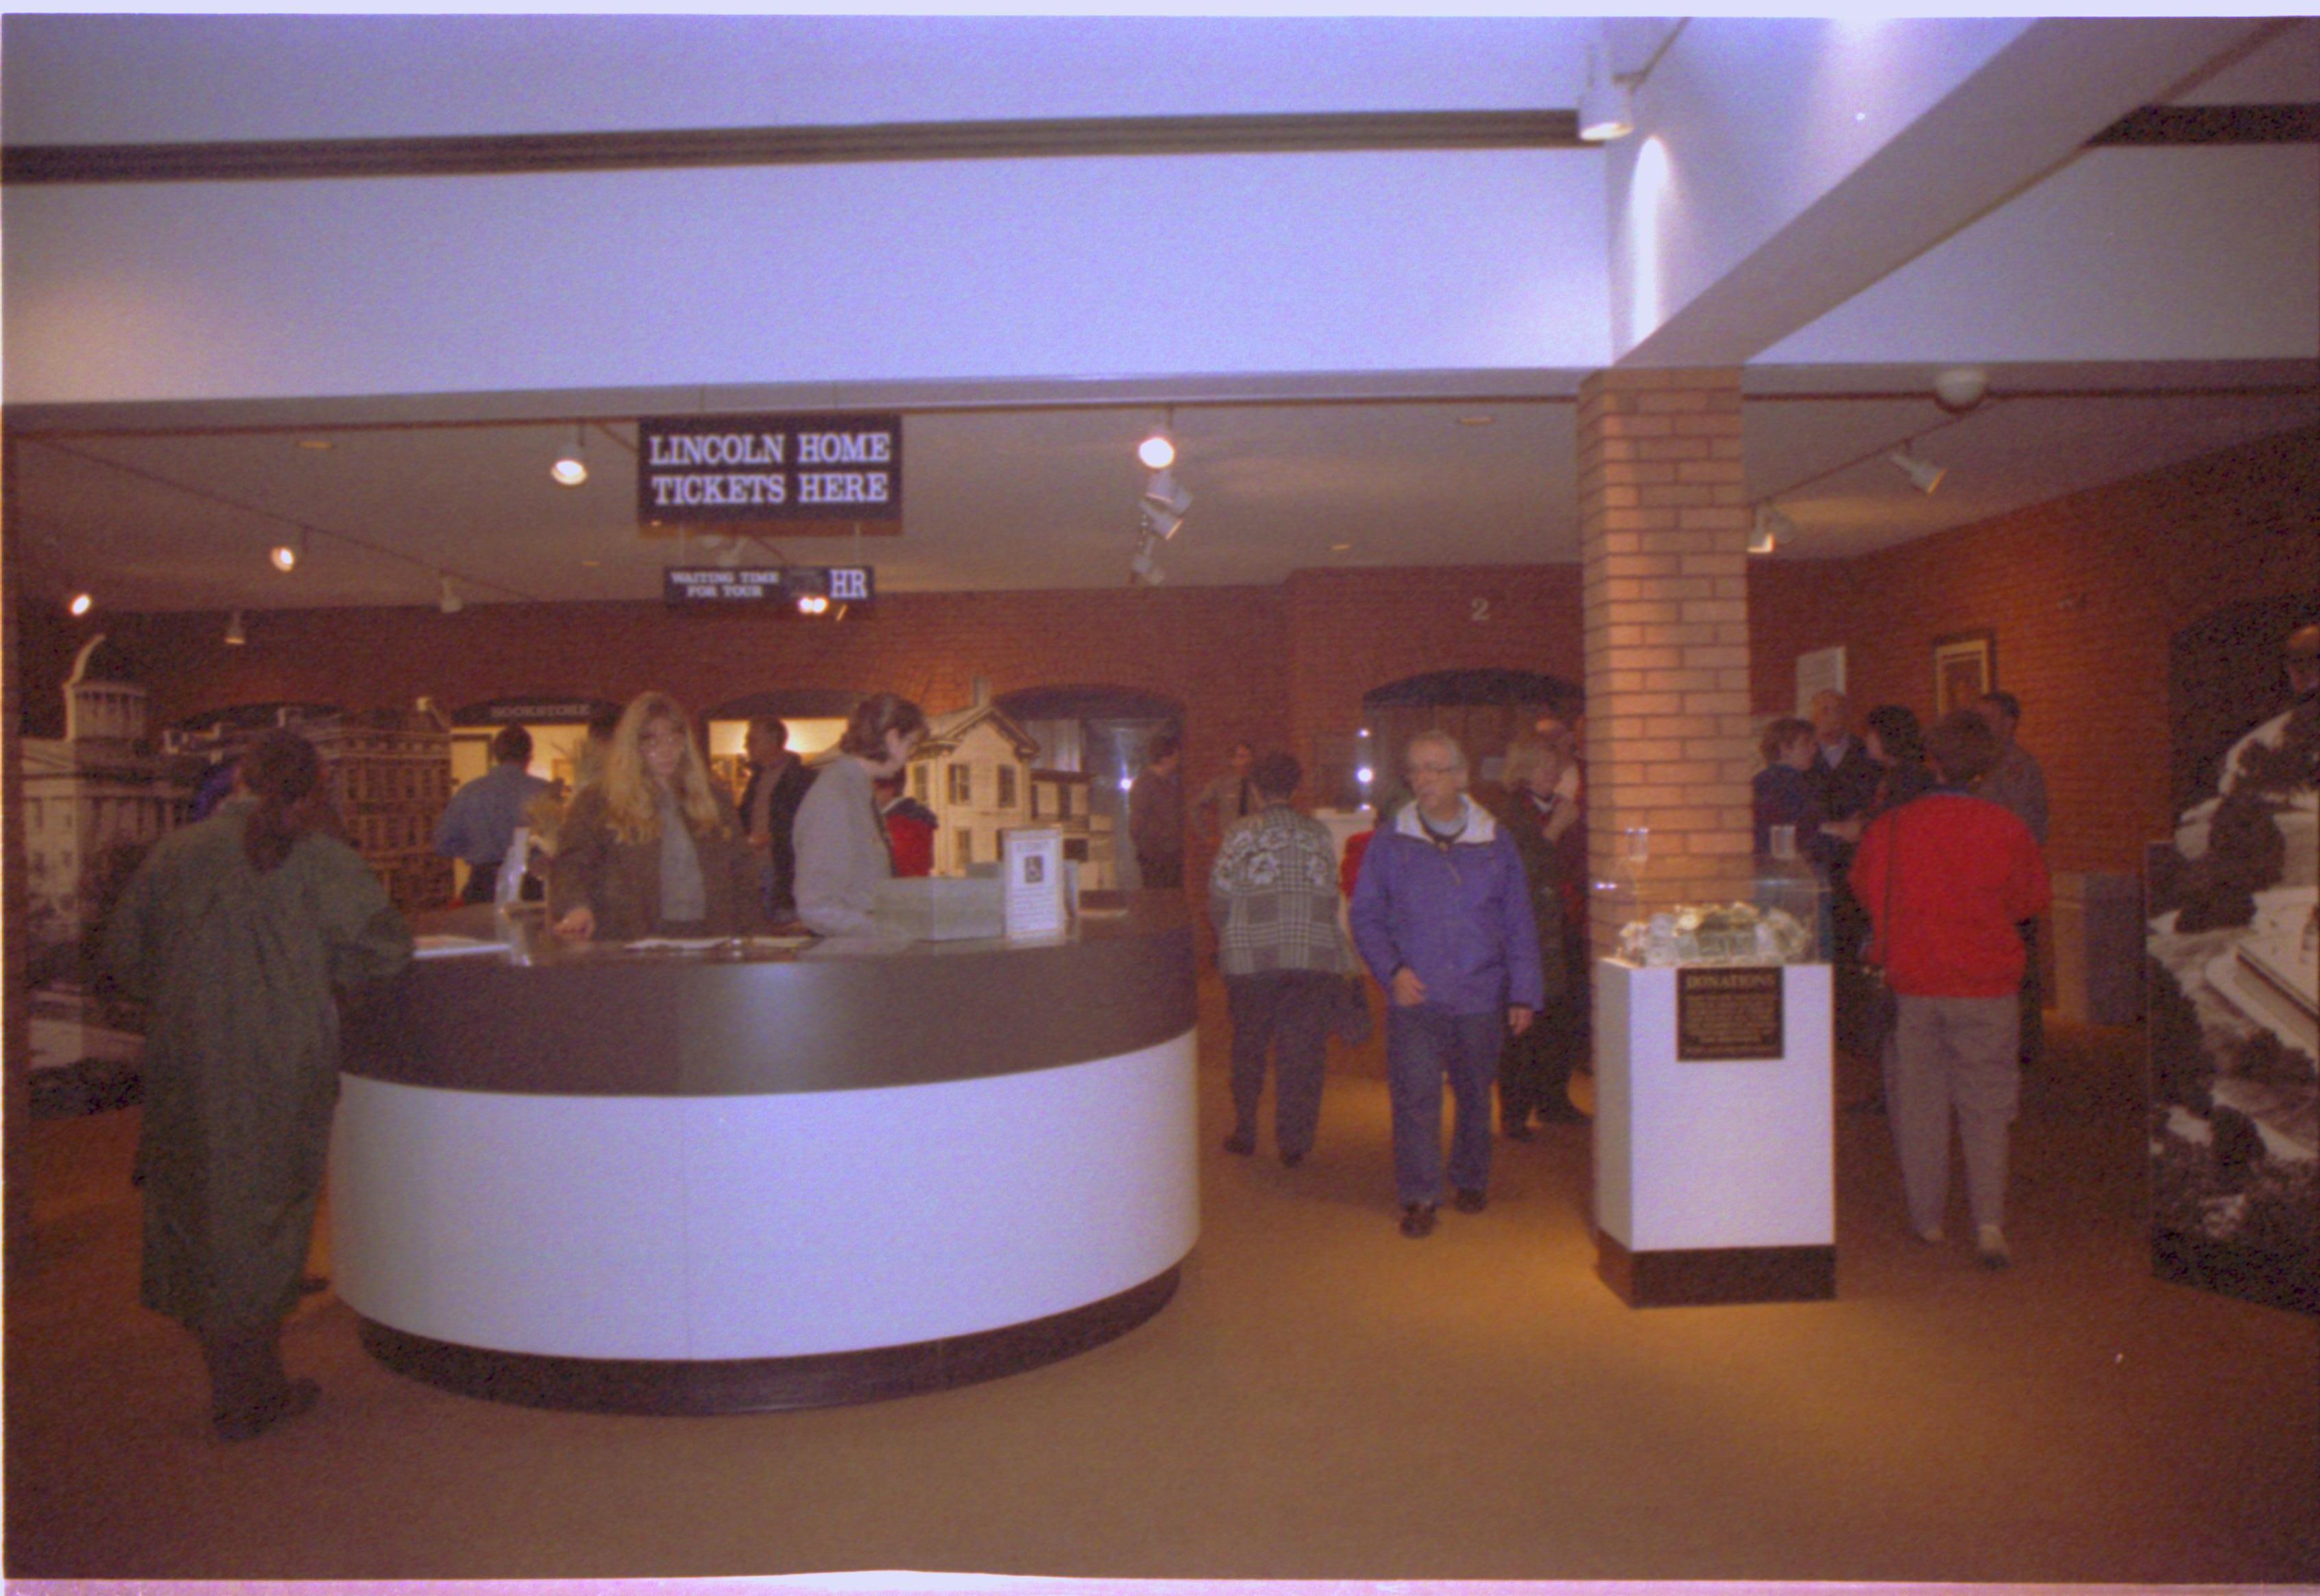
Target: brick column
[1664, 530]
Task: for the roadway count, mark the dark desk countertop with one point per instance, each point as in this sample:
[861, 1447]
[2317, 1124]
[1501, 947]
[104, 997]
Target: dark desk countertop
[582, 1018]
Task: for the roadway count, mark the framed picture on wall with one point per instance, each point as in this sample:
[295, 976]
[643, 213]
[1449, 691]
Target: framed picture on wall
[1965, 667]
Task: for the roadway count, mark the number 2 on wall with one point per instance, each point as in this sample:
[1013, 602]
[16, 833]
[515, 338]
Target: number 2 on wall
[1478, 608]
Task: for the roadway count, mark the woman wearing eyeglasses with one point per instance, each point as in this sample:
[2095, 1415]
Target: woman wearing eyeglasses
[653, 848]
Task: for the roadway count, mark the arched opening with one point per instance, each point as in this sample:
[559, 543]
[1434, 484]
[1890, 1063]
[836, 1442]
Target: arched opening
[1097, 735]
[1484, 710]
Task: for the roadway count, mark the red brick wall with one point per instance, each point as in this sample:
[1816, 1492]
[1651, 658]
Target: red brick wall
[2083, 594]
[1353, 631]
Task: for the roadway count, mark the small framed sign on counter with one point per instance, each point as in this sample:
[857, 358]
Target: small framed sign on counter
[1728, 1013]
[1033, 862]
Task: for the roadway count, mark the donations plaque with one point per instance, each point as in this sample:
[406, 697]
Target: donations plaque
[1724, 1013]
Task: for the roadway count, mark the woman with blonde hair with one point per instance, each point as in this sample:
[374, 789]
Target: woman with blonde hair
[653, 849]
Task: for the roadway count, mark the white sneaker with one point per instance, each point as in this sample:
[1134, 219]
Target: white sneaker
[1990, 1243]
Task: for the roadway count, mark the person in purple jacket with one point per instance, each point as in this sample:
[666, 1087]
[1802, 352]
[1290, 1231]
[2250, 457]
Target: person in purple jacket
[1442, 916]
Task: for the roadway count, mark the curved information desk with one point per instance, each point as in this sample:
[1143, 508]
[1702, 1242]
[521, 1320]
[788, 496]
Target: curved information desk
[752, 1178]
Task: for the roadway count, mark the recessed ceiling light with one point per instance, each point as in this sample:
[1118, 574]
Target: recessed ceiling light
[591, 563]
[1476, 421]
[316, 443]
[1341, 547]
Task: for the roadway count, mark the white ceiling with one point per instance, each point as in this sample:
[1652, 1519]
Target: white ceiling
[1032, 483]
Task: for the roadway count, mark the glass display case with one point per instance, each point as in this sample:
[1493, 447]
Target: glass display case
[1782, 921]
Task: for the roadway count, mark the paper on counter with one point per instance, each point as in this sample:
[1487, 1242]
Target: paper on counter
[439, 945]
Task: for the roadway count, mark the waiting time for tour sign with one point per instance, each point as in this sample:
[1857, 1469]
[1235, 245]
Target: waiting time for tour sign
[810, 590]
[769, 468]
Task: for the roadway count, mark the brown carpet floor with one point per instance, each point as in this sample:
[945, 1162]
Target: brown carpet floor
[1323, 1400]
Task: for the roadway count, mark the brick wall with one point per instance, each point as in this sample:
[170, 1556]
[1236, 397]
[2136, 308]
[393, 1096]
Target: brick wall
[2083, 594]
[1663, 523]
[1350, 633]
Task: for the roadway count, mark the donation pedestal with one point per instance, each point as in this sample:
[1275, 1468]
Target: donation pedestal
[1714, 1164]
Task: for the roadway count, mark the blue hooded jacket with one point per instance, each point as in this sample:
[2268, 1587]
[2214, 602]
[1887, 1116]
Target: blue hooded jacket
[1459, 914]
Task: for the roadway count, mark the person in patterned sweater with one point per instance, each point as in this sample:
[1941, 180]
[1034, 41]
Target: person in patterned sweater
[1272, 893]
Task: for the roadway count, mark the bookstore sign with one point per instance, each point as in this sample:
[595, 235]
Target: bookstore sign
[787, 468]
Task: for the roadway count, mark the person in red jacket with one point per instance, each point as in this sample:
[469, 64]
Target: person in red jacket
[910, 828]
[1945, 878]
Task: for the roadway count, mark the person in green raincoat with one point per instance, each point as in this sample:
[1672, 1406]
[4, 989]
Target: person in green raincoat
[236, 931]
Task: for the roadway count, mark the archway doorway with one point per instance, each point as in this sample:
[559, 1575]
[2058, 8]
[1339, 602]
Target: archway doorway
[1099, 733]
[1485, 710]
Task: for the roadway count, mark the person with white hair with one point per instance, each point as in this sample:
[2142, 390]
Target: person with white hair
[1442, 915]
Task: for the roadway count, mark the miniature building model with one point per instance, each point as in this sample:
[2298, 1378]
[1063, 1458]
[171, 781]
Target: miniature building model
[390, 775]
[973, 770]
[97, 790]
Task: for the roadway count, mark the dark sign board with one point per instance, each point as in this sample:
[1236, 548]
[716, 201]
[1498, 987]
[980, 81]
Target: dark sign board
[515, 712]
[1729, 1012]
[769, 468]
[808, 590]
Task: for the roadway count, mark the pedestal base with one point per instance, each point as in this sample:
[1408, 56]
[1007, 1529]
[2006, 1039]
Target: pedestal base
[1704, 1276]
[763, 1384]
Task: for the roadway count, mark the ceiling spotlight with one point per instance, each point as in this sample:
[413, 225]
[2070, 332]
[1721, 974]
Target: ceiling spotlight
[450, 603]
[1144, 568]
[1164, 492]
[1960, 388]
[571, 468]
[1923, 475]
[812, 604]
[1772, 530]
[234, 636]
[81, 603]
[1605, 111]
[1156, 452]
[1162, 524]
[284, 557]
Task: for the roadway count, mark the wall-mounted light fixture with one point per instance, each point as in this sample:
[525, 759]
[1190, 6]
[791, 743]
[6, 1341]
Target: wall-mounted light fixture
[1960, 388]
[571, 468]
[1158, 452]
[80, 604]
[1146, 566]
[1165, 503]
[1923, 473]
[1771, 527]
[1606, 105]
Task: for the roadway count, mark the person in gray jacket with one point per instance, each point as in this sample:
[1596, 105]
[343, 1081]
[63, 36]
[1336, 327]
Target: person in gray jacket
[839, 835]
[1442, 916]
[1272, 893]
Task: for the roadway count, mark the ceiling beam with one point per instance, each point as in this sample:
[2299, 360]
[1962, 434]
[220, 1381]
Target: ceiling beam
[481, 155]
[2028, 110]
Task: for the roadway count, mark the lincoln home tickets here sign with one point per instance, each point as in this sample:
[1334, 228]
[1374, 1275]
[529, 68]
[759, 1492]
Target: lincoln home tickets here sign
[844, 468]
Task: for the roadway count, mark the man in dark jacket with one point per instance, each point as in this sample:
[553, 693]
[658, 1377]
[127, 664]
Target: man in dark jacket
[778, 780]
[1442, 915]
